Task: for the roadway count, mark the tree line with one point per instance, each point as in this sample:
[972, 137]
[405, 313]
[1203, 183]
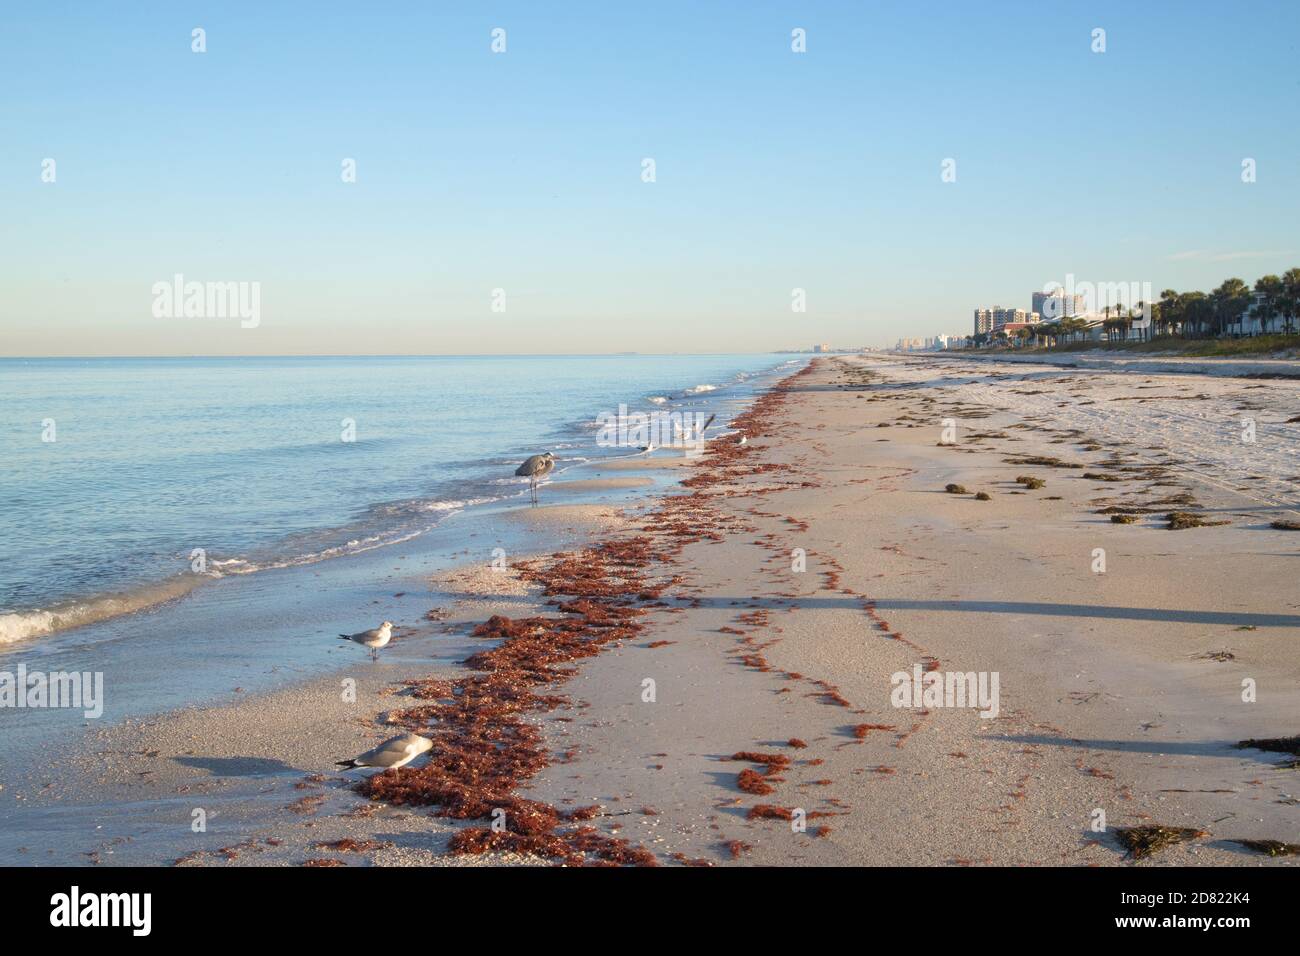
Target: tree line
[1276, 300]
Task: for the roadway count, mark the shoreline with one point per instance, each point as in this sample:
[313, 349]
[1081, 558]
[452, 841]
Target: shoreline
[588, 499]
[471, 480]
[750, 656]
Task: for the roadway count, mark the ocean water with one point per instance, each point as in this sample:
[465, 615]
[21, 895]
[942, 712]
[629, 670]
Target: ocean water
[269, 463]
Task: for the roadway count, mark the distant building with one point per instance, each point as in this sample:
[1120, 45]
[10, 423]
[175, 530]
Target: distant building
[1011, 328]
[1058, 305]
[990, 320]
[823, 347]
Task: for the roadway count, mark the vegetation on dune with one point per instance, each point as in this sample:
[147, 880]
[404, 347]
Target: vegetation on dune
[1189, 348]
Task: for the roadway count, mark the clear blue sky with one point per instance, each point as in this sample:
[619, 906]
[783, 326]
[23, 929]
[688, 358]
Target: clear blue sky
[522, 170]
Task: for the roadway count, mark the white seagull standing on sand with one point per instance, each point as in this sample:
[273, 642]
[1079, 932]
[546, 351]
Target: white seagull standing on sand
[391, 754]
[372, 639]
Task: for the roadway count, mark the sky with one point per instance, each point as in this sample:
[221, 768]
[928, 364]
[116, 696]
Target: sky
[500, 202]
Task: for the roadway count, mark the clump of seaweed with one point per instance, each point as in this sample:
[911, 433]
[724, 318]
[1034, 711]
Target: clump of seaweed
[954, 489]
[1277, 745]
[1030, 482]
[751, 781]
[1044, 461]
[737, 848]
[1271, 847]
[1123, 519]
[760, 784]
[765, 811]
[1182, 520]
[1102, 476]
[861, 731]
[983, 496]
[1142, 841]
[1283, 525]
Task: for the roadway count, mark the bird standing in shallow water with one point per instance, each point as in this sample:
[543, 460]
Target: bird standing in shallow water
[374, 639]
[536, 468]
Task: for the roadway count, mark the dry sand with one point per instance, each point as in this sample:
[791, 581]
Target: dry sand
[1120, 692]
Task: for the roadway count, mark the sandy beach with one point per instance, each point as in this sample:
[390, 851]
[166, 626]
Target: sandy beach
[708, 680]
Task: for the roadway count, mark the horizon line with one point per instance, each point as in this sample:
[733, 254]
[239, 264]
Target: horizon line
[409, 355]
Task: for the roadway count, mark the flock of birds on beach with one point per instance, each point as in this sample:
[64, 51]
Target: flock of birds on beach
[400, 750]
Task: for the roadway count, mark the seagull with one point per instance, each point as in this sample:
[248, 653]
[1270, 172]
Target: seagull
[372, 639]
[535, 468]
[393, 753]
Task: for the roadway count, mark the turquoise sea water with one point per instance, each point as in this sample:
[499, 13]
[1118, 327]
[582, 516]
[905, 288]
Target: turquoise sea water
[266, 463]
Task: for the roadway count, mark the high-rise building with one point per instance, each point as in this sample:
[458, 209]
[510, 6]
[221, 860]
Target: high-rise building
[990, 320]
[1058, 305]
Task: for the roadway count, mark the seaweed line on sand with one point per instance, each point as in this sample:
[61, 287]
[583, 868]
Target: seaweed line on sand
[485, 748]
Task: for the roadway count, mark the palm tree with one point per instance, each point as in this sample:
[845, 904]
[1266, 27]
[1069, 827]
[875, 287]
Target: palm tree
[1141, 310]
[1230, 301]
[1196, 309]
[1271, 291]
[1169, 309]
[1289, 303]
[1157, 318]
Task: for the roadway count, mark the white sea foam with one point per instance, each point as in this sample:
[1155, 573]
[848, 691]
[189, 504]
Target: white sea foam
[22, 625]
